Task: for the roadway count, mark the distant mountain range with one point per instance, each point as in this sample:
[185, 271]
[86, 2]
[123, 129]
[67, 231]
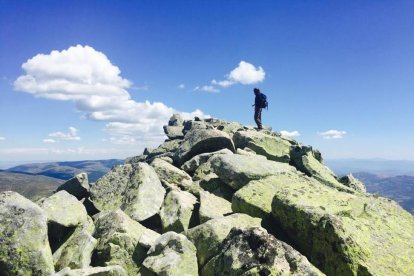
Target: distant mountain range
[399, 188]
[66, 170]
[33, 187]
[393, 179]
[380, 167]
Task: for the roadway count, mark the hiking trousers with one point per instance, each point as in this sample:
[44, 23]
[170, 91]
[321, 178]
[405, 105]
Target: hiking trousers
[258, 116]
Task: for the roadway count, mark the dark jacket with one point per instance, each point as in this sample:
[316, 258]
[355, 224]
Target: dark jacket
[257, 100]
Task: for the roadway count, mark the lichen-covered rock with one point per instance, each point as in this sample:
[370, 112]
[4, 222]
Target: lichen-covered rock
[171, 174]
[212, 206]
[273, 147]
[76, 252]
[113, 270]
[191, 165]
[305, 159]
[136, 189]
[136, 159]
[176, 120]
[252, 251]
[169, 146]
[245, 152]
[144, 193]
[177, 210]
[207, 237]
[353, 183]
[230, 128]
[77, 186]
[201, 141]
[64, 209]
[237, 170]
[343, 233]
[119, 239]
[172, 254]
[195, 125]
[209, 181]
[24, 244]
[174, 132]
[108, 192]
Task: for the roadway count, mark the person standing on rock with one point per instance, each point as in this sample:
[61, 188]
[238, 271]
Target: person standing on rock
[260, 102]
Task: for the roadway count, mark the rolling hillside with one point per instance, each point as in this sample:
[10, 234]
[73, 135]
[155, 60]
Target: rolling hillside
[33, 187]
[66, 170]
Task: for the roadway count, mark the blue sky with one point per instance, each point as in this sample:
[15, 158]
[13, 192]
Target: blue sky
[340, 66]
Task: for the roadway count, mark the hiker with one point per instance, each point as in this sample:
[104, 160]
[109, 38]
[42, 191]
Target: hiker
[260, 102]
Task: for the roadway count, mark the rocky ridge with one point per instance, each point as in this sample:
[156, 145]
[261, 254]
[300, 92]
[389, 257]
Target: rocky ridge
[216, 198]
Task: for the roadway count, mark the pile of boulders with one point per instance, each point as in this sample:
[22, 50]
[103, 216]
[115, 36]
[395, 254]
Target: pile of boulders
[216, 198]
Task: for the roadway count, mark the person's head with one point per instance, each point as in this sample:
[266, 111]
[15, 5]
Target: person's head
[256, 91]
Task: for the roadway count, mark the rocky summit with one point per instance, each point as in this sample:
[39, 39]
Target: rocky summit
[216, 198]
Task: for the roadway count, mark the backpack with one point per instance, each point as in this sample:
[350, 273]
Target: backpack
[263, 101]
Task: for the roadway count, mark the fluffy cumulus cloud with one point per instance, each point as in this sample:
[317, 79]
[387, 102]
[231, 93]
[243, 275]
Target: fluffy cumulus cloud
[332, 134]
[245, 73]
[72, 135]
[89, 79]
[292, 134]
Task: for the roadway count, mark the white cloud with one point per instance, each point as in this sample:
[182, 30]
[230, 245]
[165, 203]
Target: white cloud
[294, 133]
[207, 88]
[2, 138]
[181, 86]
[72, 135]
[123, 140]
[223, 83]
[332, 134]
[87, 77]
[245, 73]
[49, 141]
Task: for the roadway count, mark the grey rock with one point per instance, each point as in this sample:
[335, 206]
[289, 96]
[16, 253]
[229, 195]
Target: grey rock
[212, 206]
[136, 189]
[202, 141]
[191, 165]
[169, 146]
[194, 125]
[237, 170]
[306, 160]
[76, 252]
[176, 120]
[177, 210]
[353, 183]
[77, 186]
[119, 241]
[273, 147]
[64, 209]
[172, 254]
[207, 237]
[24, 244]
[113, 270]
[171, 174]
[174, 132]
[252, 251]
[144, 195]
[136, 159]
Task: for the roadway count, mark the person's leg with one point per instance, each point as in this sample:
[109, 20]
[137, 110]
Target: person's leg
[258, 117]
